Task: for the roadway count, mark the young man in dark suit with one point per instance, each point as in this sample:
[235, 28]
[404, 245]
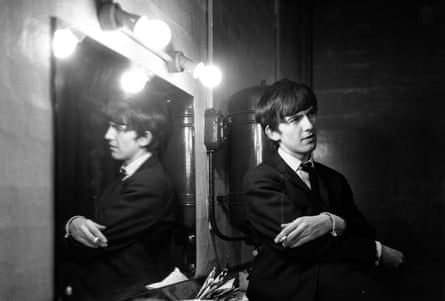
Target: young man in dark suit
[126, 243]
[315, 243]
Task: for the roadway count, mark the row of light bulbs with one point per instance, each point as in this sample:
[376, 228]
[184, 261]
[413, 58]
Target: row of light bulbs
[154, 35]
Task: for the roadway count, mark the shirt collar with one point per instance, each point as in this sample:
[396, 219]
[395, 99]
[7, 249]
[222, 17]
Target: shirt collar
[131, 168]
[294, 163]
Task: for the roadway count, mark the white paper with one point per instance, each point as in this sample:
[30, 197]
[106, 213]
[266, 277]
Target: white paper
[174, 277]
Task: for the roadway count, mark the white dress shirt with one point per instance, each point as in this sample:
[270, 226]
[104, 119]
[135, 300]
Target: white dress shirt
[131, 168]
[295, 164]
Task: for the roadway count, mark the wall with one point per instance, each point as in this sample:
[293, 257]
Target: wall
[26, 123]
[26, 152]
[244, 42]
[378, 72]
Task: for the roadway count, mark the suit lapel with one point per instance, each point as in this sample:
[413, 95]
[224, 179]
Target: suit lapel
[109, 193]
[287, 172]
[292, 176]
[113, 190]
[148, 163]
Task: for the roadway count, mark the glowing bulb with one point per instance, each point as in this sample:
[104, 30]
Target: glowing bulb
[154, 33]
[134, 80]
[64, 43]
[210, 76]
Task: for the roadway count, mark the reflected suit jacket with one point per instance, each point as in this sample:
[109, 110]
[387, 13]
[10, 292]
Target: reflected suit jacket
[275, 194]
[138, 213]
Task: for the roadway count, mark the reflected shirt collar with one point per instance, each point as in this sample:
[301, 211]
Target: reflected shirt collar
[131, 168]
[294, 163]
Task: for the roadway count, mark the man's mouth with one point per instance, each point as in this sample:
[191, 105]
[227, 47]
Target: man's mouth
[309, 137]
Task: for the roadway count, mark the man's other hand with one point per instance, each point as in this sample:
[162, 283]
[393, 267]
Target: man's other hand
[88, 232]
[391, 258]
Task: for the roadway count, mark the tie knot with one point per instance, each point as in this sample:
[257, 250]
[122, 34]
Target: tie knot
[122, 172]
[307, 166]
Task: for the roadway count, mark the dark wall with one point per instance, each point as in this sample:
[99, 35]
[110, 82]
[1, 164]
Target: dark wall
[295, 23]
[244, 45]
[379, 73]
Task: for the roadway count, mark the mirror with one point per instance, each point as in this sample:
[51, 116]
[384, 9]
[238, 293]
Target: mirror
[82, 86]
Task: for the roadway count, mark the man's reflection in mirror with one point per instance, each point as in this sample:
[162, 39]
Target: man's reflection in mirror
[125, 243]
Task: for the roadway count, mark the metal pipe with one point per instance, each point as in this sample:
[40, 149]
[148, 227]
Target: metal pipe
[212, 210]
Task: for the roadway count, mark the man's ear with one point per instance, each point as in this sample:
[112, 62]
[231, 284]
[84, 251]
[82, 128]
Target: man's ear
[272, 135]
[146, 139]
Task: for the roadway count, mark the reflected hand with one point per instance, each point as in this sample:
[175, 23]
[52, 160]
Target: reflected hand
[88, 232]
[302, 230]
[391, 258]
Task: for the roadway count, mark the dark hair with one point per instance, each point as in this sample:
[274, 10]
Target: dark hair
[283, 98]
[141, 116]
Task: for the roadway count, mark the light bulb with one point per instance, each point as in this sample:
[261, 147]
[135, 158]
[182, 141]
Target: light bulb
[64, 43]
[134, 80]
[210, 76]
[153, 33]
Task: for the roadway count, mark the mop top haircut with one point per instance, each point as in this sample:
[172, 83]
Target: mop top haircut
[282, 99]
[149, 115]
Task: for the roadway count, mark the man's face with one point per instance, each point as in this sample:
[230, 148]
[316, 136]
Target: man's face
[297, 134]
[124, 144]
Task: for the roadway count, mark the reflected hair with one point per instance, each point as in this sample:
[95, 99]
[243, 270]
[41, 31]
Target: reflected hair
[283, 98]
[141, 116]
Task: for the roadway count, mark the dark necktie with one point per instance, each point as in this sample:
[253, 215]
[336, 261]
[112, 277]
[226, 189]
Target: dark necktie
[122, 174]
[307, 167]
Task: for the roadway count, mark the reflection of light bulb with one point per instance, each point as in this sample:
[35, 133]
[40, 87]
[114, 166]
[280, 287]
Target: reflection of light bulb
[134, 80]
[64, 43]
[210, 76]
[154, 33]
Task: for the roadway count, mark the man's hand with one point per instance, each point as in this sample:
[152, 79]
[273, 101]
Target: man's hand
[87, 232]
[391, 258]
[303, 229]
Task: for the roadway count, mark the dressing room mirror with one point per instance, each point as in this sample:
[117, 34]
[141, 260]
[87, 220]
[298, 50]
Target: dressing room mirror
[83, 84]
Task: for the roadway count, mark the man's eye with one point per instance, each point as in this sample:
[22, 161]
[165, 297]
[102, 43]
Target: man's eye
[118, 127]
[311, 113]
[294, 119]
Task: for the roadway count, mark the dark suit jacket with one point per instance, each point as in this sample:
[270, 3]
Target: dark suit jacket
[139, 215]
[275, 194]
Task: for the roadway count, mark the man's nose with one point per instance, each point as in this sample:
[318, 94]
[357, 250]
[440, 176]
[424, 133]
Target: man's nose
[307, 122]
[109, 134]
